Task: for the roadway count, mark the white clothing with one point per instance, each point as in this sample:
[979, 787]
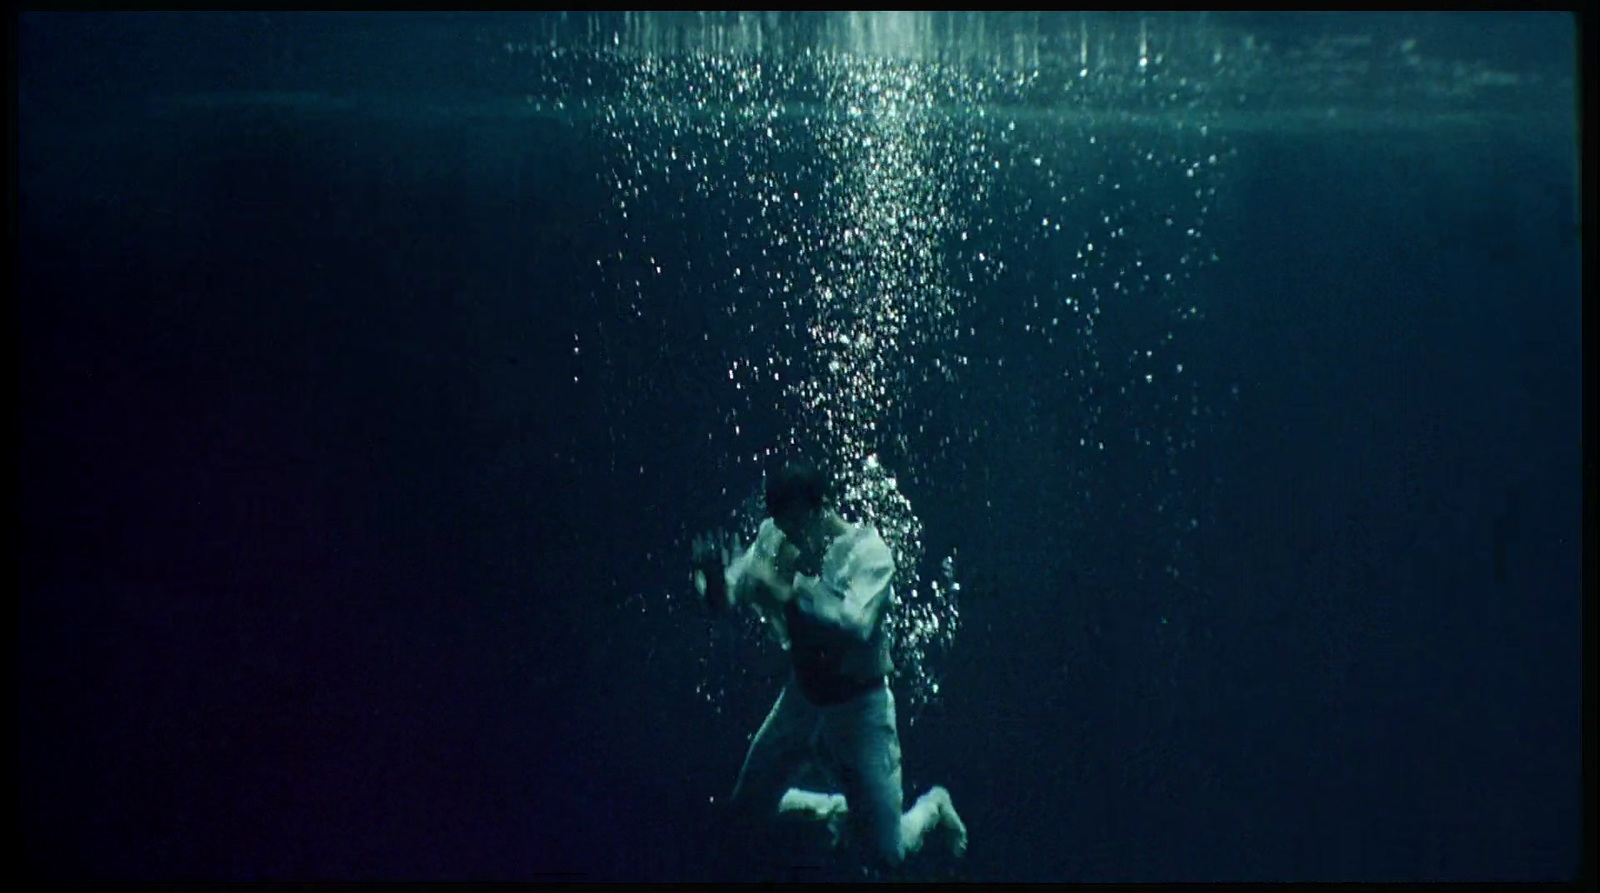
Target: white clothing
[836, 712]
[857, 742]
[834, 617]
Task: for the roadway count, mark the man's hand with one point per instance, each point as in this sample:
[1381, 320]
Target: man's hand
[712, 555]
[773, 588]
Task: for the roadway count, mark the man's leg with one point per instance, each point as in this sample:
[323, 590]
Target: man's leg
[933, 810]
[816, 806]
[863, 737]
[779, 748]
[811, 794]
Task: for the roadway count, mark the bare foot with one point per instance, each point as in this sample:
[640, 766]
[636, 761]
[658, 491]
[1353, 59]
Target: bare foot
[954, 829]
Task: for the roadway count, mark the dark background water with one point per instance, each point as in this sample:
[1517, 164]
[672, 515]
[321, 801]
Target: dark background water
[288, 612]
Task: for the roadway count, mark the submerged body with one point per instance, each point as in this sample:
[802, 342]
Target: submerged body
[823, 589]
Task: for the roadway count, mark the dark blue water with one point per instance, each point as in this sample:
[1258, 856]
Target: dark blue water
[331, 546]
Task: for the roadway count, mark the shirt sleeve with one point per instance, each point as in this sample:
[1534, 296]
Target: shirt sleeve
[769, 539]
[763, 548]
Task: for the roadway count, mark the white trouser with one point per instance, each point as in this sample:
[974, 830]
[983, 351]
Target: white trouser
[857, 740]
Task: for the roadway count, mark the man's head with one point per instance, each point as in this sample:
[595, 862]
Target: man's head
[797, 498]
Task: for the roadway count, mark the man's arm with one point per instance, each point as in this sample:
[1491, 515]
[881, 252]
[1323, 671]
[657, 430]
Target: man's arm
[852, 600]
[750, 570]
[725, 573]
[755, 578]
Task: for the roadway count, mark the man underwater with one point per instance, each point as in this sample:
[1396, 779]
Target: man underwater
[823, 585]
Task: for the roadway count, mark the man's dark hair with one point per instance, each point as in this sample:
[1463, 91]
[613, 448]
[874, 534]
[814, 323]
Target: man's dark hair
[797, 484]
